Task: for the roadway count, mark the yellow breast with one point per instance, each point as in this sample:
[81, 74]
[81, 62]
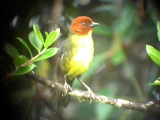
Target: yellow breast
[78, 55]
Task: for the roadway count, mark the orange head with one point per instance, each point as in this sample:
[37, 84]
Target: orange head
[82, 25]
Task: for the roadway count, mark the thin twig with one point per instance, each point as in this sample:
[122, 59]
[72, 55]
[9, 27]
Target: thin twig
[35, 57]
[83, 95]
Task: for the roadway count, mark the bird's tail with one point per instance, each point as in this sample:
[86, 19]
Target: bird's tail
[60, 100]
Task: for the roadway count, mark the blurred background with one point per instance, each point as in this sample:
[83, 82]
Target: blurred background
[121, 67]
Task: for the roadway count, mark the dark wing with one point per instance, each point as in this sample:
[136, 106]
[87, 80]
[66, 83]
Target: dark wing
[59, 75]
[60, 100]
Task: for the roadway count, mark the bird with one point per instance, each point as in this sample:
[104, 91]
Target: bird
[76, 55]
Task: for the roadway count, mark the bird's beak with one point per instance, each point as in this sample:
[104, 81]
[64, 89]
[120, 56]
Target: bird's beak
[93, 24]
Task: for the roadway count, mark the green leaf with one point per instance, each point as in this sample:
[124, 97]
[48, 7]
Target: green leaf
[46, 33]
[158, 27]
[35, 41]
[156, 82]
[24, 70]
[11, 50]
[47, 54]
[25, 45]
[38, 33]
[19, 60]
[154, 54]
[51, 37]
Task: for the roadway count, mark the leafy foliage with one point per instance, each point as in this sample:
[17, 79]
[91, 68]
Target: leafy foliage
[19, 60]
[22, 63]
[25, 45]
[158, 33]
[24, 70]
[156, 82]
[51, 38]
[38, 33]
[11, 50]
[35, 41]
[47, 54]
[154, 54]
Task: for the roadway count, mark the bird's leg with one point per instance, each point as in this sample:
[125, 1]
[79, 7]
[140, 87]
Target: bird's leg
[90, 92]
[67, 87]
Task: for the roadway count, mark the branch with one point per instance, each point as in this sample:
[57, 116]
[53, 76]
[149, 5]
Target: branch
[148, 107]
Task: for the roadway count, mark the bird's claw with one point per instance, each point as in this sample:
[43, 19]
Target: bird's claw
[90, 95]
[90, 92]
[67, 88]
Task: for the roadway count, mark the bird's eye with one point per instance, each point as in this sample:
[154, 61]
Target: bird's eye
[84, 24]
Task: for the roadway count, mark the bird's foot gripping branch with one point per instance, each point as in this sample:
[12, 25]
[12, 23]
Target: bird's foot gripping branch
[24, 64]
